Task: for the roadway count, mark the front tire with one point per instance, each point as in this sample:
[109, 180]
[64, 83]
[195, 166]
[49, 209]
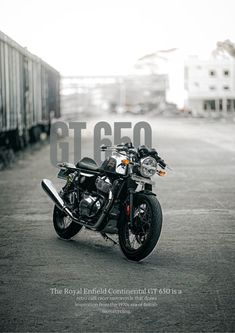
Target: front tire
[139, 240]
[64, 226]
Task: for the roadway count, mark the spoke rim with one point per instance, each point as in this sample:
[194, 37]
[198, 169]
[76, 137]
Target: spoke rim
[65, 222]
[142, 217]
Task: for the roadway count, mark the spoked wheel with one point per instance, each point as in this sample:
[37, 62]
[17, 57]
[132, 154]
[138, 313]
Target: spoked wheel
[137, 234]
[139, 239]
[63, 224]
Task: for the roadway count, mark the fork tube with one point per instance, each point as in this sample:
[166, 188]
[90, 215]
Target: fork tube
[131, 206]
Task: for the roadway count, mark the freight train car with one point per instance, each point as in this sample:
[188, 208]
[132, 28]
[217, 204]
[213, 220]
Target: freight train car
[29, 95]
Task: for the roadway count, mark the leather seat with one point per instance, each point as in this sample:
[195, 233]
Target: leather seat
[88, 164]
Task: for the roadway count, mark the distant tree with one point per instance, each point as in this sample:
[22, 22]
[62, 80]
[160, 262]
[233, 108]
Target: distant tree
[225, 46]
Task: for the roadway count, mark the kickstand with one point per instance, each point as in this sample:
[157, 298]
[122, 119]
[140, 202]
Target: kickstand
[106, 237]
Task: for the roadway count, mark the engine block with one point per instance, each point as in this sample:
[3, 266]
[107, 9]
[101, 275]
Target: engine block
[103, 184]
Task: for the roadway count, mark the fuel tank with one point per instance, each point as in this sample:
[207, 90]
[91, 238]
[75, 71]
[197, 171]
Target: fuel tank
[113, 164]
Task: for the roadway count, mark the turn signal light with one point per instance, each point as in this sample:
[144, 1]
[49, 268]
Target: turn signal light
[125, 162]
[161, 173]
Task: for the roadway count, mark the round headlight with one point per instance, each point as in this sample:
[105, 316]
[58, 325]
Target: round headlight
[148, 166]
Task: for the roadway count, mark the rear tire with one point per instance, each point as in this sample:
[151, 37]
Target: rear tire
[147, 227]
[64, 226]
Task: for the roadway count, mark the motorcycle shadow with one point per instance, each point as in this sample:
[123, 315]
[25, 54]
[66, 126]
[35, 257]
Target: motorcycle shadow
[93, 245]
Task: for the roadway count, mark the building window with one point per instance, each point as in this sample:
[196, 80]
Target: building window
[226, 87]
[226, 72]
[212, 73]
[221, 105]
[212, 88]
[229, 104]
[209, 105]
[212, 104]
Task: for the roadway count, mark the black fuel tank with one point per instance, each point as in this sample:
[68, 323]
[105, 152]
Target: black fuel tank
[114, 165]
[109, 165]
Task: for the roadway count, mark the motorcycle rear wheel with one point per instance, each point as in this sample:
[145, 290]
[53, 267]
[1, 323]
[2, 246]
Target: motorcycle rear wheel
[64, 226]
[138, 241]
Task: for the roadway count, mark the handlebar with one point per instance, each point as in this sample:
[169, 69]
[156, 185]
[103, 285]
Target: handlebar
[162, 164]
[123, 147]
[128, 147]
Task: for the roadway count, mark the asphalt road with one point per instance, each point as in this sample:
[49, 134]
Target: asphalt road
[189, 277]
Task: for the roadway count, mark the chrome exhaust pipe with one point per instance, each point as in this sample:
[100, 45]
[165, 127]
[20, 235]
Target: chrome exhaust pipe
[51, 191]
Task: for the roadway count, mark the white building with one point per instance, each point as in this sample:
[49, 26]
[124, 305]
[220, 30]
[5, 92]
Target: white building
[210, 85]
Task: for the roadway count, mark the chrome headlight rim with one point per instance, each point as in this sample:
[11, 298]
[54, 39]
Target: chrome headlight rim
[148, 169]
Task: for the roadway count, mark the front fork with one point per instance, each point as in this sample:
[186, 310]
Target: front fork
[131, 192]
[147, 188]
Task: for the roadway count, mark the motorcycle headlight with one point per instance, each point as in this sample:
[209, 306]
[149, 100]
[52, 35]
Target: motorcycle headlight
[148, 166]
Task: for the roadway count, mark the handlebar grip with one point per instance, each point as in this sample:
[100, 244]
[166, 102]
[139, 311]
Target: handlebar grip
[103, 147]
[162, 163]
[159, 160]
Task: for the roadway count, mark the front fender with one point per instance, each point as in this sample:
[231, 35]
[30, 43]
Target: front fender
[147, 192]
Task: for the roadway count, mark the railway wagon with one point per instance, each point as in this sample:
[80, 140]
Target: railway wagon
[29, 95]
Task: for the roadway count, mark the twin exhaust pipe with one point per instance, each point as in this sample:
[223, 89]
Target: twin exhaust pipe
[51, 191]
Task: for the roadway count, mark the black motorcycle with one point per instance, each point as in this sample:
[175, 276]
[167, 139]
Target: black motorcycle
[114, 198]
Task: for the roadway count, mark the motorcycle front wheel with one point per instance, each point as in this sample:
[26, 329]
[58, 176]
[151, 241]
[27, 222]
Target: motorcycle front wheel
[137, 241]
[63, 224]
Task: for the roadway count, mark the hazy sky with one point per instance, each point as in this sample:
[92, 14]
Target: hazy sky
[108, 36]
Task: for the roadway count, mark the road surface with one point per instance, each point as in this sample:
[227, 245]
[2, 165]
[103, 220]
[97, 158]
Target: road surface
[185, 286]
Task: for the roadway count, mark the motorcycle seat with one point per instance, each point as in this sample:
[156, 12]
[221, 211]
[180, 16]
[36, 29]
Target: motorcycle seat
[88, 164]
